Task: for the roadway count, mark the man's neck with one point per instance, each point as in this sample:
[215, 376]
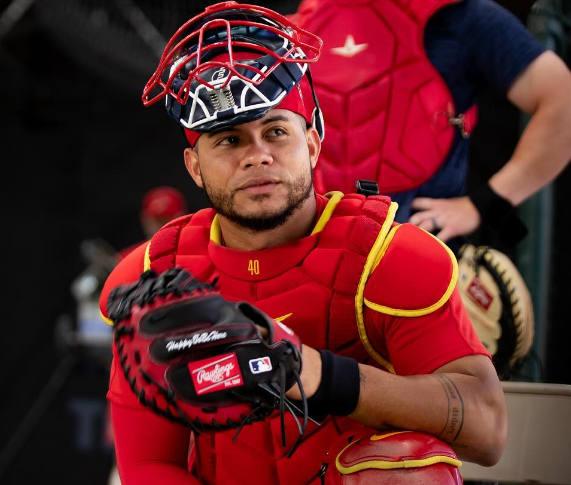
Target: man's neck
[299, 225]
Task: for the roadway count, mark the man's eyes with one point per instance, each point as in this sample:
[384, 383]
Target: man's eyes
[229, 140]
[277, 132]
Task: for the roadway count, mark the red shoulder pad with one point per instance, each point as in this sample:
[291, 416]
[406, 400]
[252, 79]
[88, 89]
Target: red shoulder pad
[398, 457]
[414, 274]
[127, 271]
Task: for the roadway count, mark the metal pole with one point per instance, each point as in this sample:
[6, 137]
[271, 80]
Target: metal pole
[545, 22]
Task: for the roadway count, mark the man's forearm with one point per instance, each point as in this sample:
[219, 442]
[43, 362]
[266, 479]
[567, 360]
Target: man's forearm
[541, 154]
[149, 448]
[466, 411]
[544, 148]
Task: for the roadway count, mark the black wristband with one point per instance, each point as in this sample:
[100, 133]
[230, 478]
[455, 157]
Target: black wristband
[498, 213]
[339, 389]
[493, 208]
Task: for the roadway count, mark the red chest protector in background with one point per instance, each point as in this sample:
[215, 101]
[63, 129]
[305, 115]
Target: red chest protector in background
[388, 113]
[309, 284]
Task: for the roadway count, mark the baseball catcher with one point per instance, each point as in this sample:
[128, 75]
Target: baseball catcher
[386, 340]
[199, 359]
[498, 303]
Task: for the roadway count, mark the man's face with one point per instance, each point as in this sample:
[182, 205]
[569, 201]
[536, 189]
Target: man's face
[257, 174]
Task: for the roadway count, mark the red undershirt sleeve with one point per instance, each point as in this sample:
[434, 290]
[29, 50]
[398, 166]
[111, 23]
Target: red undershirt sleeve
[150, 449]
[422, 344]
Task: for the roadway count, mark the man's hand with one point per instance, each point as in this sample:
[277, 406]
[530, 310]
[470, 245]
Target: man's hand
[310, 370]
[310, 373]
[447, 217]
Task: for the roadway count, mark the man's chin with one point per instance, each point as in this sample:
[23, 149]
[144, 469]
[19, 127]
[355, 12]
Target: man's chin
[265, 211]
[259, 221]
[261, 206]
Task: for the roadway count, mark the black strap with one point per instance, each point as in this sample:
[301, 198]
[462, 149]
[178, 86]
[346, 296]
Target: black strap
[339, 389]
[498, 214]
[367, 187]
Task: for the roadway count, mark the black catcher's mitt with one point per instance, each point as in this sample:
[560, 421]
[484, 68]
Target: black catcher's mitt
[498, 303]
[199, 359]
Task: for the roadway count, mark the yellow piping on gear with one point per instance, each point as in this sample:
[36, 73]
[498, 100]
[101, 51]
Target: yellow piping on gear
[391, 465]
[359, 297]
[399, 312]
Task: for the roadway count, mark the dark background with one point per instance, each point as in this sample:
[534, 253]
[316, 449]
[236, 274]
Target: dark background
[78, 152]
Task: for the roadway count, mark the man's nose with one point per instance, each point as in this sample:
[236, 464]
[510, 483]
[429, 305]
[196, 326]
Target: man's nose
[257, 155]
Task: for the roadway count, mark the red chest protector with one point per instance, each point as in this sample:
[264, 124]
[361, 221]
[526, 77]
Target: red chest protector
[388, 113]
[312, 284]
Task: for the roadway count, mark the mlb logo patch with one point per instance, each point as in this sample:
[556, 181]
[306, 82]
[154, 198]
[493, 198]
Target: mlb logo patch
[263, 364]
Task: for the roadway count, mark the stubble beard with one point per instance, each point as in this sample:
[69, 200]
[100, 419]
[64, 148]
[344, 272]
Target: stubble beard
[298, 192]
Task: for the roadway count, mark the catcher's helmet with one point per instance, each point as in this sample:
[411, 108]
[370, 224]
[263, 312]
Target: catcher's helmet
[232, 64]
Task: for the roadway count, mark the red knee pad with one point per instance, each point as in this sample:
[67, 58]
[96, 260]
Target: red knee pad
[395, 457]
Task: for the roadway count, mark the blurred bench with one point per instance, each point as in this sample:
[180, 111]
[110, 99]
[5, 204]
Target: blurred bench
[539, 437]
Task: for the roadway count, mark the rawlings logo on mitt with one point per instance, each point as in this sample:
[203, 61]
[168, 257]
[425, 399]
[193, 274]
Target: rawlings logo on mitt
[199, 359]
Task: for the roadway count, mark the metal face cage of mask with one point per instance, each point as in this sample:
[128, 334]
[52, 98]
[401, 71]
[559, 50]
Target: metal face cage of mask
[230, 65]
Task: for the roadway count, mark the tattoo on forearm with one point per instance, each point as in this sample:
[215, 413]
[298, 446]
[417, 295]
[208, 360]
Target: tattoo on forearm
[455, 414]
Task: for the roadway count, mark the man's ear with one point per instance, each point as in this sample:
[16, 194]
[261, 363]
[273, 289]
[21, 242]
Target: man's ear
[313, 145]
[191, 163]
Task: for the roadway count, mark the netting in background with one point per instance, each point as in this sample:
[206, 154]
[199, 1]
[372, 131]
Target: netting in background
[122, 39]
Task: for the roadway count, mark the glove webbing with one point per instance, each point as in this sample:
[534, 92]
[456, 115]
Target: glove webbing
[148, 287]
[507, 291]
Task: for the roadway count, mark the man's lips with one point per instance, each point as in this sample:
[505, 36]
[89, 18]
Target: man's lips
[259, 185]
